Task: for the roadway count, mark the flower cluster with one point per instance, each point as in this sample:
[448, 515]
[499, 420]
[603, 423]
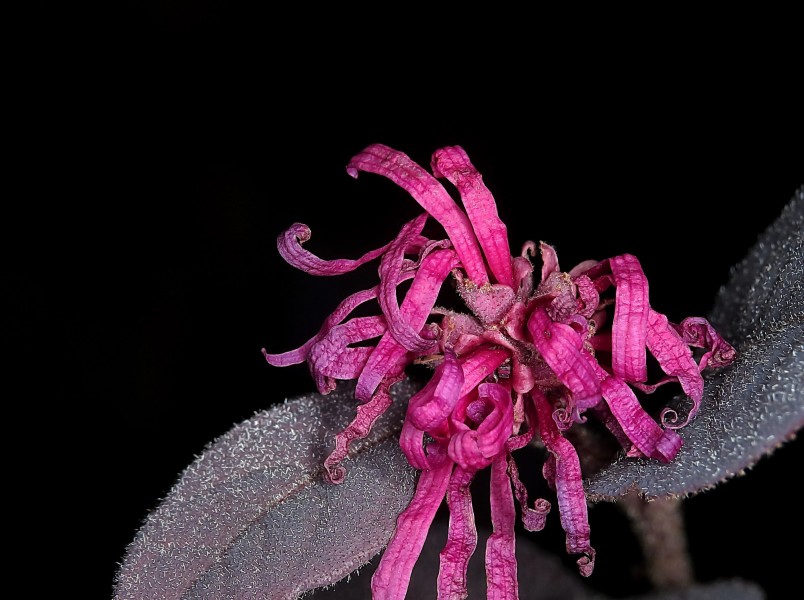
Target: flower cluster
[534, 355]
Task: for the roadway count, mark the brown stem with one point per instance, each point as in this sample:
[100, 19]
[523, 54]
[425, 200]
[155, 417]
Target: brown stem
[659, 524]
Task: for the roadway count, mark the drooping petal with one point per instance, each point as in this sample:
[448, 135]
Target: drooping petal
[461, 537]
[453, 163]
[569, 486]
[390, 356]
[501, 581]
[430, 194]
[675, 358]
[560, 346]
[289, 243]
[630, 326]
[359, 428]
[390, 270]
[645, 433]
[533, 518]
[392, 577]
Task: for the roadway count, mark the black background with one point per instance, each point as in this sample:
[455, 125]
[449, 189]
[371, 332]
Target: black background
[156, 281]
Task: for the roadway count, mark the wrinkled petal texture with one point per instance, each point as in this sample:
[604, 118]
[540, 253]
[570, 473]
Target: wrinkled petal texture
[430, 194]
[500, 558]
[392, 577]
[630, 327]
[453, 163]
[535, 352]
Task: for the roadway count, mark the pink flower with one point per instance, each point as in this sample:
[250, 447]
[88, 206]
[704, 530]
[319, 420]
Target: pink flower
[534, 356]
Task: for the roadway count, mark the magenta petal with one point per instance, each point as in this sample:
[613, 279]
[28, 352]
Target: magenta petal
[560, 346]
[390, 270]
[645, 433]
[430, 194]
[343, 309]
[630, 326]
[332, 357]
[697, 331]
[392, 577]
[453, 163]
[675, 358]
[359, 428]
[588, 295]
[501, 581]
[289, 244]
[534, 518]
[430, 407]
[569, 486]
[461, 537]
[475, 449]
[479, 365]
[390, 355]
[549, 260]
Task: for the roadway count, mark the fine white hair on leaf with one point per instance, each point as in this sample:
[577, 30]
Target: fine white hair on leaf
[253, 517]
[756, 404]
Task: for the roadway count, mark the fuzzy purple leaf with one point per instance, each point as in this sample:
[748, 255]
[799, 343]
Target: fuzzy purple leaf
[253, 517]
[757, 403]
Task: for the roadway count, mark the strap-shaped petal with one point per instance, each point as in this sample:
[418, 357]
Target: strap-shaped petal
[569, 486]
[392, 577]
[461, 537]
[560, 346]
[453, 163]
[645, 433]
[390, 271]
[675, 358]
[431, 195]
[501, 581]
[289, 243]
[390, 355]
[630, 326]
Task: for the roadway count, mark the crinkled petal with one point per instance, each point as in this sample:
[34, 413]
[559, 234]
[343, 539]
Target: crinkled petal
[453, 163]
[533, 518]
[390, 355]
[697, 331]
[289, 244]
[430, 194]
[461, 537]
[560, 346]
[630, 326]
[587, 293]
[569, 486]
[501, 581]
[392, 577]
[332, 355]
[359, 428]
[390, 269]
[645, 433]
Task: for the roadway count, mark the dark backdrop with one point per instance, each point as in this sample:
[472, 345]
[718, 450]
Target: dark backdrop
[156, 279]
